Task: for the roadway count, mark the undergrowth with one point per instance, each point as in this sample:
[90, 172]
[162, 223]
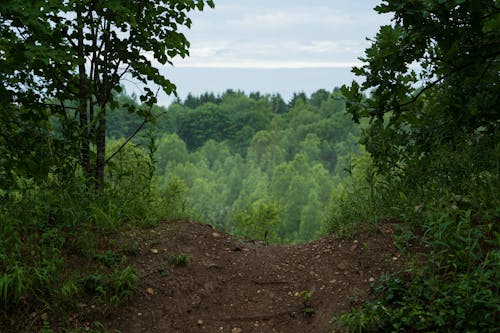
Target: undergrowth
[54, 256]
[449, 224]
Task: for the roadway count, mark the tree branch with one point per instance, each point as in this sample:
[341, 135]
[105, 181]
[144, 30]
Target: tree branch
[456, 70]
[144, 122]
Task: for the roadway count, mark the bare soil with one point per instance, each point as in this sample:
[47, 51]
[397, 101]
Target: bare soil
[238, 286]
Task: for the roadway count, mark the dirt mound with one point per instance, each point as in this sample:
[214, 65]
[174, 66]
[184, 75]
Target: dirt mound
[232, 285]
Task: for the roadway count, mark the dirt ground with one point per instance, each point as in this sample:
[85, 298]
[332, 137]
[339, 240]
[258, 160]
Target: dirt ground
[238, 286]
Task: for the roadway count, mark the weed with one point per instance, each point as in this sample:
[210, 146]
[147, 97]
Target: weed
[178, 259]
[117, 288]
[108, 258]
[123, 283]
[307, 308]
[70, 290]
[163, 273]
[454, 290]
[12, 286]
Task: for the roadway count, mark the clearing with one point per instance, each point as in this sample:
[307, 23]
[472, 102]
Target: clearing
[238, 286]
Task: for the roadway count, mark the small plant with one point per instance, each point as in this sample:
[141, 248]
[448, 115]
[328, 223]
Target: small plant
[91, 282]
[163, 273]
[70, 289]
[123, 283]
[306, 296]
[178, 259]
[12, 286]
[108, 258]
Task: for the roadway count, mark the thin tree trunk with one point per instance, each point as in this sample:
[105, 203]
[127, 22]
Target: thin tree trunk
[102, 102]
[82, 97]
[101, 149]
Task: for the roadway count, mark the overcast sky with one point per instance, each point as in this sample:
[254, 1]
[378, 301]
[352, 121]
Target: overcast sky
[274, 46]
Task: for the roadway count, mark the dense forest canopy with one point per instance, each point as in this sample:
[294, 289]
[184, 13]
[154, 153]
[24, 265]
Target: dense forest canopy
[240, 155]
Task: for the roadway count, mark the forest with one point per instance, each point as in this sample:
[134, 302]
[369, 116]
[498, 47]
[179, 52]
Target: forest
[251, 165]
[415, 144]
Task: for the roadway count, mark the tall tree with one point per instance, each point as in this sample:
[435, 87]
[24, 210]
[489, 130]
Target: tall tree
[433, 75]
[81, 50]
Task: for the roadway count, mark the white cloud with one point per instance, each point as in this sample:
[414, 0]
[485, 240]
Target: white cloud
[286, 34]
[267, 20]
[267, 64]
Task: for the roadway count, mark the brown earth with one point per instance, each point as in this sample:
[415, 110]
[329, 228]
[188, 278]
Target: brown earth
[233, 285]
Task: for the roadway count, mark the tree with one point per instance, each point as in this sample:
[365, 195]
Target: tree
[81, 50]
[450, 98]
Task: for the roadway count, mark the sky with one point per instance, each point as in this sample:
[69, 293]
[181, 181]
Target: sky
[274, 46]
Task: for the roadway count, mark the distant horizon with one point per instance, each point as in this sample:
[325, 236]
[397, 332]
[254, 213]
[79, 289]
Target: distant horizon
[284, 81]
[272, 46]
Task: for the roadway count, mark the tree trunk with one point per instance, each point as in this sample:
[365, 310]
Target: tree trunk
[101, 149]
[82, 97]
[102, 98]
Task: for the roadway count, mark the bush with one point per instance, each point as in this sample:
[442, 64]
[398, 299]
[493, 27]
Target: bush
[455, 289]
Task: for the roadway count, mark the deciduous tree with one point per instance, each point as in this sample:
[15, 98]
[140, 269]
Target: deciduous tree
[81, 50]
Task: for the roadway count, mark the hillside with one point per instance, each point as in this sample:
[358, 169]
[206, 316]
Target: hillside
[234, 285]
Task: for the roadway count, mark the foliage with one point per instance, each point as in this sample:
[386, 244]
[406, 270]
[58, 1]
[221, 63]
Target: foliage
[258, 221]
[361, 201]
[45, 224]
[53, 52]
[258, 156]
[306, 296]
[436, 150]
[178, 259]
[455, 47]
[455, 291]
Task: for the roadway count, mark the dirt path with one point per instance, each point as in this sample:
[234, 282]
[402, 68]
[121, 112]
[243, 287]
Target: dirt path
[240, 287]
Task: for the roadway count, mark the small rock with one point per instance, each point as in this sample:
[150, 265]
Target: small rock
[236, 330]
[150, 291]
[372, 279]
[216, 234]
[200, 322]
[341, 266]
[154, 251]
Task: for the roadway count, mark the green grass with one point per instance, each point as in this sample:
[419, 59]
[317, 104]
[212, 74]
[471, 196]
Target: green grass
[54, 249]
[178, 259]
[454, 286]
